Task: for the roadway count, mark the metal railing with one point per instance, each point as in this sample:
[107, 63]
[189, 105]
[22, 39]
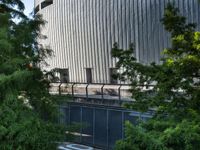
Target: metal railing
[102, 88]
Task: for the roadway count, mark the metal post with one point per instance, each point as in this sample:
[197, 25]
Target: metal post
[69, 114]
[81, 120]
[73, 90]
[123, 124]
[59, 88]
[102, 95]
[108, 130]
[119, 92]
[93, 126]
[68, 119]
[87, 91]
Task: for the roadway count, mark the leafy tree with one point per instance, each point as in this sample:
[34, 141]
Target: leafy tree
[25, 102]
[172, 89]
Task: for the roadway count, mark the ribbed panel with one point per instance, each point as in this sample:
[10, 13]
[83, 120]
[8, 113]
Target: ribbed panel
[82, 32]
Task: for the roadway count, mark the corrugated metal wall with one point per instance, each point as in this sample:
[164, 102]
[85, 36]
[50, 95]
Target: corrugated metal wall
[82, 32]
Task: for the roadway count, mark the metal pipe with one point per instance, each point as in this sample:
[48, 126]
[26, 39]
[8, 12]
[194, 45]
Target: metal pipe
[119, 92]
[107, 129]
[87, 91]
[59, 88]
[93, 140]
[81, 120]
[102, 95]
[73, 90]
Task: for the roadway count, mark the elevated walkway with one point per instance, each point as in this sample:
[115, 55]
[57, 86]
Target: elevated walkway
[104, 94]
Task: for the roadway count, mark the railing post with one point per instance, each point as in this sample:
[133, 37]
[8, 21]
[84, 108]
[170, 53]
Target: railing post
[73, 90]
[119, 92]
[59, 88]
[87, 91]
[102, 95]
[93, 140]
[107, 128]
[123, 124]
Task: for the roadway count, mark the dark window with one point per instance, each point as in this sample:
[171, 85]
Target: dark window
[37, 8]
[64, 75]
[113, 75]
[89, 75]
[46, 3]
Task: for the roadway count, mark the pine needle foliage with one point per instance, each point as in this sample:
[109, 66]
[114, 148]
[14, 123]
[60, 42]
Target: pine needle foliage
[26, 108]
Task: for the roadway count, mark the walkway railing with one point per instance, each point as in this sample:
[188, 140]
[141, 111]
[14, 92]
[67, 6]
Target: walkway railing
[120, 92]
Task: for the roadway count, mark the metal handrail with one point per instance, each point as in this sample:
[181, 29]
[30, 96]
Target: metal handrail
[151, 85]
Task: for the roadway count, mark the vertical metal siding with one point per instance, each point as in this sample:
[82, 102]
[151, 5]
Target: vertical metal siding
[82, 32]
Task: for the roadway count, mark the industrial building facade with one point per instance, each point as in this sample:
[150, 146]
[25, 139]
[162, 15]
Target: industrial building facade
[82, 33]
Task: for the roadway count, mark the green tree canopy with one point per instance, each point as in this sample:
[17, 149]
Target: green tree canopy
[24, 98]
[171, 89]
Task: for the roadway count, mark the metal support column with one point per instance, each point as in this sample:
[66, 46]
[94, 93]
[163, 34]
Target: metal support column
[81, 120]
[73, 90]
[107, 128]
[123, 124]
[102, 95]
[59, 88]
[93, 139]
[87, 91]
[119, 92]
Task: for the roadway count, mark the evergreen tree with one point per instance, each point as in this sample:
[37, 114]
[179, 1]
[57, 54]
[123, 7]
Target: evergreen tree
[24, 98]
[172, 89]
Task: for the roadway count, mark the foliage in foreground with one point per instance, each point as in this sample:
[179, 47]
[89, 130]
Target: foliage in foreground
[162, 135]
[171, 88]
[25, 104]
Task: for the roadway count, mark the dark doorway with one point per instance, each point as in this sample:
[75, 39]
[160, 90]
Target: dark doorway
[64, 75]
[89, 75]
